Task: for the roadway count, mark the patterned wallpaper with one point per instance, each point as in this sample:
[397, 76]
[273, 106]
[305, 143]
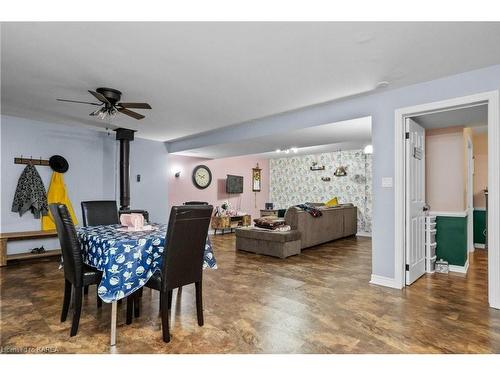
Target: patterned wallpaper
[292, 182]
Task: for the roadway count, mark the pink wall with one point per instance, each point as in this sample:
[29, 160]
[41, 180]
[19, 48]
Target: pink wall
[182, 189]
[444, 169]
[480, 144]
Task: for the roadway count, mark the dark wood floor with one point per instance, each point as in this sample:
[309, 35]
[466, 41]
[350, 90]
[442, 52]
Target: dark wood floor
[318, 302]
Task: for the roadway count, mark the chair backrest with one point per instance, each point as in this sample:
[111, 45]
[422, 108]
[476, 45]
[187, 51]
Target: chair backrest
[99, 213]
[185, 245]
[70, 245]
[194, 203]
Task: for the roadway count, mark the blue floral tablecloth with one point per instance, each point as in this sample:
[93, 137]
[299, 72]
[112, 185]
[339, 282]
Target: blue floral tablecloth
[127, 259]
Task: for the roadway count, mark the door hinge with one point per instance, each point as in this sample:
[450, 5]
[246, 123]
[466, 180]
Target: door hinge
[407, 267]
[407, 135]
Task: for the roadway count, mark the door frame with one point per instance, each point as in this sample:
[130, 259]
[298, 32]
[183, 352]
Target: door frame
[470, 195]
[491, 98]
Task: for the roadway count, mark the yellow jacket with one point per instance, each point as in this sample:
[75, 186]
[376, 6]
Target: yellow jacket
[57, 194]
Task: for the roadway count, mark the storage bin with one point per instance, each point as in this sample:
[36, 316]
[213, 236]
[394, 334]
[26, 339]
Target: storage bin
[432, 265]
[430, 243]
[432, 250]
[431, 236]
[442, 266]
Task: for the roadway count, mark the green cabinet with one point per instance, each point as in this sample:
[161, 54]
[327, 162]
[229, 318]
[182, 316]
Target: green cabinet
[451, 238]
[479, 226]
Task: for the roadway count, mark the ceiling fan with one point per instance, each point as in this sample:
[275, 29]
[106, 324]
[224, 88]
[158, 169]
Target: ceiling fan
[109, 104]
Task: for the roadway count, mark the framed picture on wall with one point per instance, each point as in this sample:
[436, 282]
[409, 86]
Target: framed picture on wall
[256, 178]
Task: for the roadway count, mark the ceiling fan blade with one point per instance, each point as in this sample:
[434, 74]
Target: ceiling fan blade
[135, 105]
[100, 97]
[77, 101]
[133, 114]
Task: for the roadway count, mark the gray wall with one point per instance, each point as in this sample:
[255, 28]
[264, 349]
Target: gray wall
[92, 173]
[379, 105]
[149, 159]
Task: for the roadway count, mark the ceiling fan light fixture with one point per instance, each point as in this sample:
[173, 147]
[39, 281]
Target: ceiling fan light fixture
[110, 104]
[102, 114]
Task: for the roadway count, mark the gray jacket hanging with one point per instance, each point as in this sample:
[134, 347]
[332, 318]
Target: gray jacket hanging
[30, 194]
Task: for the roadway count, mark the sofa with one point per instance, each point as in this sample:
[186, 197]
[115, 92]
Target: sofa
[307, 231]
[336, 222]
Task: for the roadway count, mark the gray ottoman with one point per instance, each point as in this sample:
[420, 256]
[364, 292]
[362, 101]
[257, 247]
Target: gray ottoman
[277, 244]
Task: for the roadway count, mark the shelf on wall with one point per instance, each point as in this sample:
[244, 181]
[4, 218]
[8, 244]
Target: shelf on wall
[318, 168]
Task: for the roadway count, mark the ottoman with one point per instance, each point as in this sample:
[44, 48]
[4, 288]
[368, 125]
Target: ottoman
[265, 242]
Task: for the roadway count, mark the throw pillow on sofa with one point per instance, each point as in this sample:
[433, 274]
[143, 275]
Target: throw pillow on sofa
[334, 202]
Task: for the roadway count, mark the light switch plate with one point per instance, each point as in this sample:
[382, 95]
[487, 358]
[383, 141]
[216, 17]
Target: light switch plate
[387, 182]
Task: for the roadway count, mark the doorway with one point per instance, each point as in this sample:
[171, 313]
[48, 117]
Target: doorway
[405, 213]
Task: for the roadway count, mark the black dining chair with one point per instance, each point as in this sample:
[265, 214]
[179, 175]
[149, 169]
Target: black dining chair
[183, 258]
[77, 275]
[99, 213]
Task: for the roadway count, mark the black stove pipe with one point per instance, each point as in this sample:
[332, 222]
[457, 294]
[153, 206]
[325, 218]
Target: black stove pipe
[124, 136]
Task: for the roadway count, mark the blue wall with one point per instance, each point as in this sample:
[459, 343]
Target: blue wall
[92, 156]
[381, 106]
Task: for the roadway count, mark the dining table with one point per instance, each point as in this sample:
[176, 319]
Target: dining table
[127, 259]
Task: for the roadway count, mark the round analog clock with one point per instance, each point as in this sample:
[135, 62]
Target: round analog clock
[202, 177]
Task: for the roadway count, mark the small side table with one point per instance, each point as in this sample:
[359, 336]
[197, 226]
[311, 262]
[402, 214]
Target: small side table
[268, 213]
[230, 222]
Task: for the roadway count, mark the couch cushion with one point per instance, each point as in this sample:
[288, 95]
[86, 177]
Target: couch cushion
[268, 235]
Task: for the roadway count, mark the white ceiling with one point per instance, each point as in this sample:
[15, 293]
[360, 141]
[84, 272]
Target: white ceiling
[345, 135]
[202, 76]
[471, 117]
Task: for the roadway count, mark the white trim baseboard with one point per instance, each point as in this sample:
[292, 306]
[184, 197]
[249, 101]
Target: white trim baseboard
[385, 281]
[363, 234]
[479, 246]
[448, 213]
[459, 269]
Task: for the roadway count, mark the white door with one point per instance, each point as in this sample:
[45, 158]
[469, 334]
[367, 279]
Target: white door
[415, 201]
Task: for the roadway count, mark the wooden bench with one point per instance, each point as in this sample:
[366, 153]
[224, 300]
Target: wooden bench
[19, 236]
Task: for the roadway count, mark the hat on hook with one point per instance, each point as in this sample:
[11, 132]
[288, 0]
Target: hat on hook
[58, 164]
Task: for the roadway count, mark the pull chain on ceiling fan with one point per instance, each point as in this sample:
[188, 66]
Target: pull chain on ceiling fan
[109, 103]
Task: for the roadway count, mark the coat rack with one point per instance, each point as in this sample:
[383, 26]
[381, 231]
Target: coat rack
[31, 161]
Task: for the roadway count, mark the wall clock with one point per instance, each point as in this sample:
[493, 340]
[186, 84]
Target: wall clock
[256, 178]
[202, 177]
